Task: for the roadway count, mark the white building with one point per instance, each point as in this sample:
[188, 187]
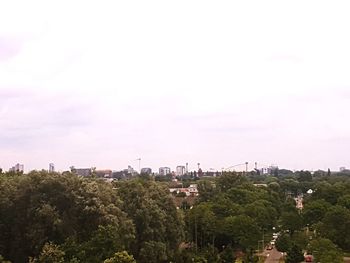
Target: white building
[180, 170]
[51, 167]
[190, 191]
[164, 171]
[17, 168]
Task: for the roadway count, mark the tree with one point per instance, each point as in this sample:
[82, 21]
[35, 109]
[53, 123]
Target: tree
[344, 201]
[2, 260]
[121, 257]
[50, 253]
[158, 224]
[314, 211]
[325, 251]
[295, 255]
[230, 180]
[263, 212]
[283, 243]
[304, 176]
[206, 190]
[201, 223]
[242, 231]
[41, 208]
[291, 221]
[336, 226]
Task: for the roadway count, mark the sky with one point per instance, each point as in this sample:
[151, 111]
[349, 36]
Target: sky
[103, 83]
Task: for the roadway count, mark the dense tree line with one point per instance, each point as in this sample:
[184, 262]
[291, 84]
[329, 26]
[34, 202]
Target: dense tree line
[322, 226]
[85, 219]
[51, 217]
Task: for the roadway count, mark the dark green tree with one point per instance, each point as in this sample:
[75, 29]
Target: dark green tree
[336, 226]
[295, 255]
[284, 243]
[158, 224]
[291, 221]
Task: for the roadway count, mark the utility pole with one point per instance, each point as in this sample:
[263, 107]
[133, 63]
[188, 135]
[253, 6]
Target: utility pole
[196, 233]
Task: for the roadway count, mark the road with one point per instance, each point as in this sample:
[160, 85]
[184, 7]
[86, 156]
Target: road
[272, 256]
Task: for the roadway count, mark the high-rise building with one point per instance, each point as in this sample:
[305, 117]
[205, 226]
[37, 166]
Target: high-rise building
[17, 168]
[51, 167]
[180, 170]
[164, 171]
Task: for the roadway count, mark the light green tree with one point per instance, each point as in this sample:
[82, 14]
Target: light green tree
[121, 257]
[50, 253]
[325, 251]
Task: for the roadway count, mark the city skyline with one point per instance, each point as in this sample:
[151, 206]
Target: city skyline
[173, 83]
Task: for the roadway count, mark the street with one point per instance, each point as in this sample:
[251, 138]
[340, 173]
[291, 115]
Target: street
[272, 256]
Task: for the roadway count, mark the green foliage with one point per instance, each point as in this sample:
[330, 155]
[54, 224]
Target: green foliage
[41, 207]
[263, 212]
[330, 192]
[336, 226]
[304, 176]
[284, 242]
[158, 224]
[241, 230]
[294, 255]
[50, 253]
[121, 257]
[206, 190]
[64, 218]
[325, 251]
[315, 211]
[2, 260]
[230, 180]
[344, 201]
[291, 221]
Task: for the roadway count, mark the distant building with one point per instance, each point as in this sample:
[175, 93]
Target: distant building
[17, 168]
[269, 170]
[51, 167]
[180, 170]
[146, 171]
[342, 169]
[104, 173]
[164, 171]
[124, 174]
[82, 171]
[189, 191]
[131, 170]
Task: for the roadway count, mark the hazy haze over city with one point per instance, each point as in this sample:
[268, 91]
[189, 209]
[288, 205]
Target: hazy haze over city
[104, 83]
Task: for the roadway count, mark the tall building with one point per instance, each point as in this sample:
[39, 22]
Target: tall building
[146, 171]
[51, 167]
[17, 168]
[180, 170]
[164, 171]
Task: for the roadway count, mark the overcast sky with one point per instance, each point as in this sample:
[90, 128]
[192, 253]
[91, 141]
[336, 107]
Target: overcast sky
[102, 83]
